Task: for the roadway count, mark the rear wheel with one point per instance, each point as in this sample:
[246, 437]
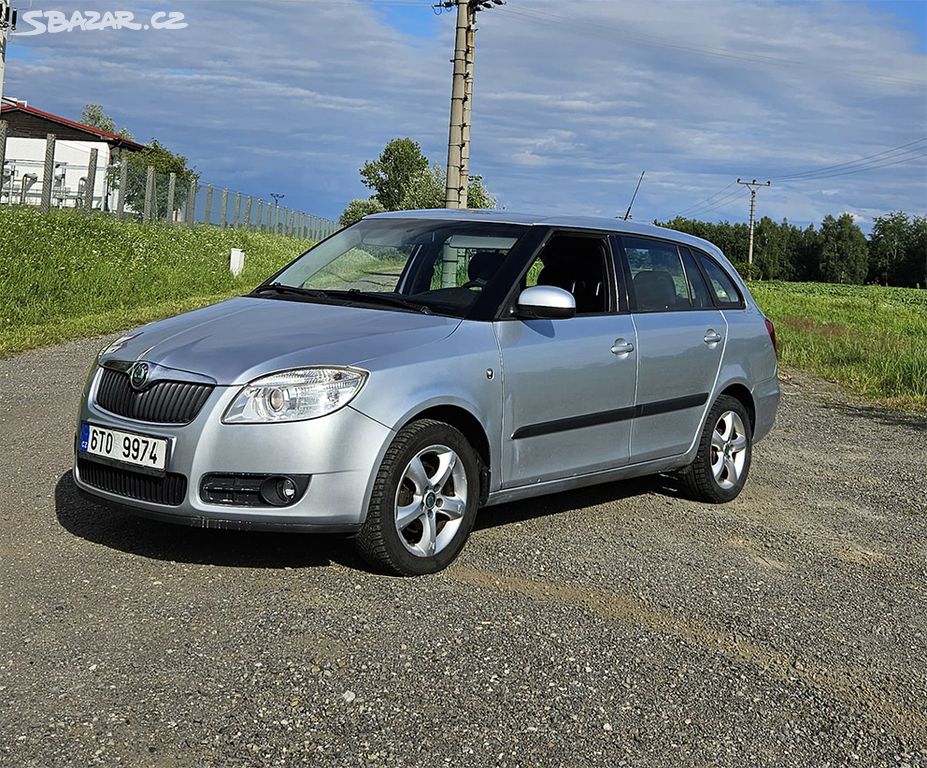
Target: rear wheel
[725, 450]
[424, 500]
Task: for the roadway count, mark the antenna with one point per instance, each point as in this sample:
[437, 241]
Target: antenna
[627, 214]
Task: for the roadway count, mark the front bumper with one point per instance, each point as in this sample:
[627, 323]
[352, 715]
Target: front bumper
[341, 452]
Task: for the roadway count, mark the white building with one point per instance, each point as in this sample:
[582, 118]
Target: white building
[24, 162]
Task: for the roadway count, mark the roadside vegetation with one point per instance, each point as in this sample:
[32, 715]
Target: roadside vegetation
[68, 275]
[871, 339]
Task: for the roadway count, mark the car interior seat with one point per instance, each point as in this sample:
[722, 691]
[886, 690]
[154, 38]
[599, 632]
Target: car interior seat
[481, 267]
[655, 289]
[580, 273]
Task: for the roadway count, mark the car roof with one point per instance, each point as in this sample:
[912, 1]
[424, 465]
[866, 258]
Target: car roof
[597, 223]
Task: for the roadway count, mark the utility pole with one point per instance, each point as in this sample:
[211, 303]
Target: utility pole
[7, 20]
[754, 186]
[458, 141]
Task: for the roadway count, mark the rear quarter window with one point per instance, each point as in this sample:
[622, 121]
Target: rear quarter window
[722, 286]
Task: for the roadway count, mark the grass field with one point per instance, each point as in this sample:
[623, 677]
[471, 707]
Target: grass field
[871, 339]
[66, 275]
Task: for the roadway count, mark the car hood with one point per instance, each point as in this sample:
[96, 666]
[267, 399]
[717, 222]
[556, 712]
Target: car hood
[236, 341]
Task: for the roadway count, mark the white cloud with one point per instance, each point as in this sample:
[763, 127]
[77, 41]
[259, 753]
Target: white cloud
[571, 103]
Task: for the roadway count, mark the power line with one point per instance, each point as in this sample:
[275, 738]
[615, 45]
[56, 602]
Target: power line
[903, 149]
[705, 201]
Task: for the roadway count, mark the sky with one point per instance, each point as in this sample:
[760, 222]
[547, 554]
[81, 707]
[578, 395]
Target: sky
[572, 100]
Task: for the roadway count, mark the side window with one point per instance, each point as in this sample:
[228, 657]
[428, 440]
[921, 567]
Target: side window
[658, 276]
[578, 265]
[721, 284]
[701, 298]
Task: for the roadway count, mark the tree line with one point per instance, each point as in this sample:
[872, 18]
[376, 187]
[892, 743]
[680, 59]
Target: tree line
[895, 253]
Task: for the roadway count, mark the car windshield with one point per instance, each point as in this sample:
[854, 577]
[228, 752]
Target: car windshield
[405, 264]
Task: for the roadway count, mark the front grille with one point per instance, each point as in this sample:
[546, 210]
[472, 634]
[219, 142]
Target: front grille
[163, 402]
[170, 489]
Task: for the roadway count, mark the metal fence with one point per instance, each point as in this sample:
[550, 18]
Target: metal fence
[78, 177]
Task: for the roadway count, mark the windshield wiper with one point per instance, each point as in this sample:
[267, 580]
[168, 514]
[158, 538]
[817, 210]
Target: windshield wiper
[388, 298]
[294, 290]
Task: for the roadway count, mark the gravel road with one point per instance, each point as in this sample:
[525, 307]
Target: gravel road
[620, 625]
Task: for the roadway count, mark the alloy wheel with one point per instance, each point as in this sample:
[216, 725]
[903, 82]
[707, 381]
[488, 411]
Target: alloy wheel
[431, 500]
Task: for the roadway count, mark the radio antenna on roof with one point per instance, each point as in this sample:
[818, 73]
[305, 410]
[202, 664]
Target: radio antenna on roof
[627, 214]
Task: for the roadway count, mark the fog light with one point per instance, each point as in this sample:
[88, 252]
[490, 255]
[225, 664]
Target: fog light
[279, 491]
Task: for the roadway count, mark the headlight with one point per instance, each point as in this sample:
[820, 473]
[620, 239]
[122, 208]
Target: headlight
[305, 393]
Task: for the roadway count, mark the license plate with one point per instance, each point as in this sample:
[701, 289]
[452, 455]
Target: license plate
[125, 447]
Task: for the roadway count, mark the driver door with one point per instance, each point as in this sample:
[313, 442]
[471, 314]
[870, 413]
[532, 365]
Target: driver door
[568, 385]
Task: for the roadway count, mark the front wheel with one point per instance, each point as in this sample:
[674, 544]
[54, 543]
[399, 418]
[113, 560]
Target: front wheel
[725, 450]
[424, 500]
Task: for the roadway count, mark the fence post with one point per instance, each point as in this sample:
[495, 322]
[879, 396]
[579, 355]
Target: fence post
[91, 180]
[190, 207]
[247, 218]
[149, 193]
[208, 215]
[224, 216]
[171, 192]
[260, 216]
[3, 157]
[237, 209]
[123, 183]
[49, 172]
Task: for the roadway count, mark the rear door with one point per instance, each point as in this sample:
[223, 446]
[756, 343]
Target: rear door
[680, 336]
[568, 384]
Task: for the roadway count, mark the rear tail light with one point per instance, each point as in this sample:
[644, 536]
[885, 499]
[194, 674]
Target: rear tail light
[771, 330]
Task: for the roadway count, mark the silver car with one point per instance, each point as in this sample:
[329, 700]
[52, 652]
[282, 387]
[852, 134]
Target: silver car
[417, 366]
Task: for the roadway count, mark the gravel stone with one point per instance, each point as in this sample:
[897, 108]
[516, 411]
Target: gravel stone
[616, 625]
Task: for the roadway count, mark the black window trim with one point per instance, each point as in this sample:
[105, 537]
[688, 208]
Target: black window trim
[618, 303]
[629, 283]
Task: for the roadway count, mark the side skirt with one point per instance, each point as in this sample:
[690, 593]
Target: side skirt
[593, 478]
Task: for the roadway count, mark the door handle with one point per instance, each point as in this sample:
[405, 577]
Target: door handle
[712, 336]
[622, 347]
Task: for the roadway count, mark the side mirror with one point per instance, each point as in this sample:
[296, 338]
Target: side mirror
[545, 302]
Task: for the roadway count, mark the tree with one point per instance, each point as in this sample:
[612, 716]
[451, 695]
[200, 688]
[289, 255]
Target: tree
[94, 116]
[393, 172]
[844, 255]
[426, 190]
[896, 255]
[357, 209]
[164, 162]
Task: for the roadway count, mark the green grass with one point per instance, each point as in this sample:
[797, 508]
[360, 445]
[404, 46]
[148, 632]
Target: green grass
[872, 340]
[66, 275]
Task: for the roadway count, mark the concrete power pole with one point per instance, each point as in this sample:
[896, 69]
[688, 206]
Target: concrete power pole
[458, 141]
[753, 185]
[5, 12]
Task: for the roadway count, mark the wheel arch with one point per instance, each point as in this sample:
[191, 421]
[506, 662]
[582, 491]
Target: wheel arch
[471, 428]
[740, 392]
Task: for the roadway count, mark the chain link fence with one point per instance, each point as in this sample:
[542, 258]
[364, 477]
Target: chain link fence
[71, 175]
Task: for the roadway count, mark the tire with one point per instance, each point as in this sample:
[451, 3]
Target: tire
[725, 451]
[424, 501]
